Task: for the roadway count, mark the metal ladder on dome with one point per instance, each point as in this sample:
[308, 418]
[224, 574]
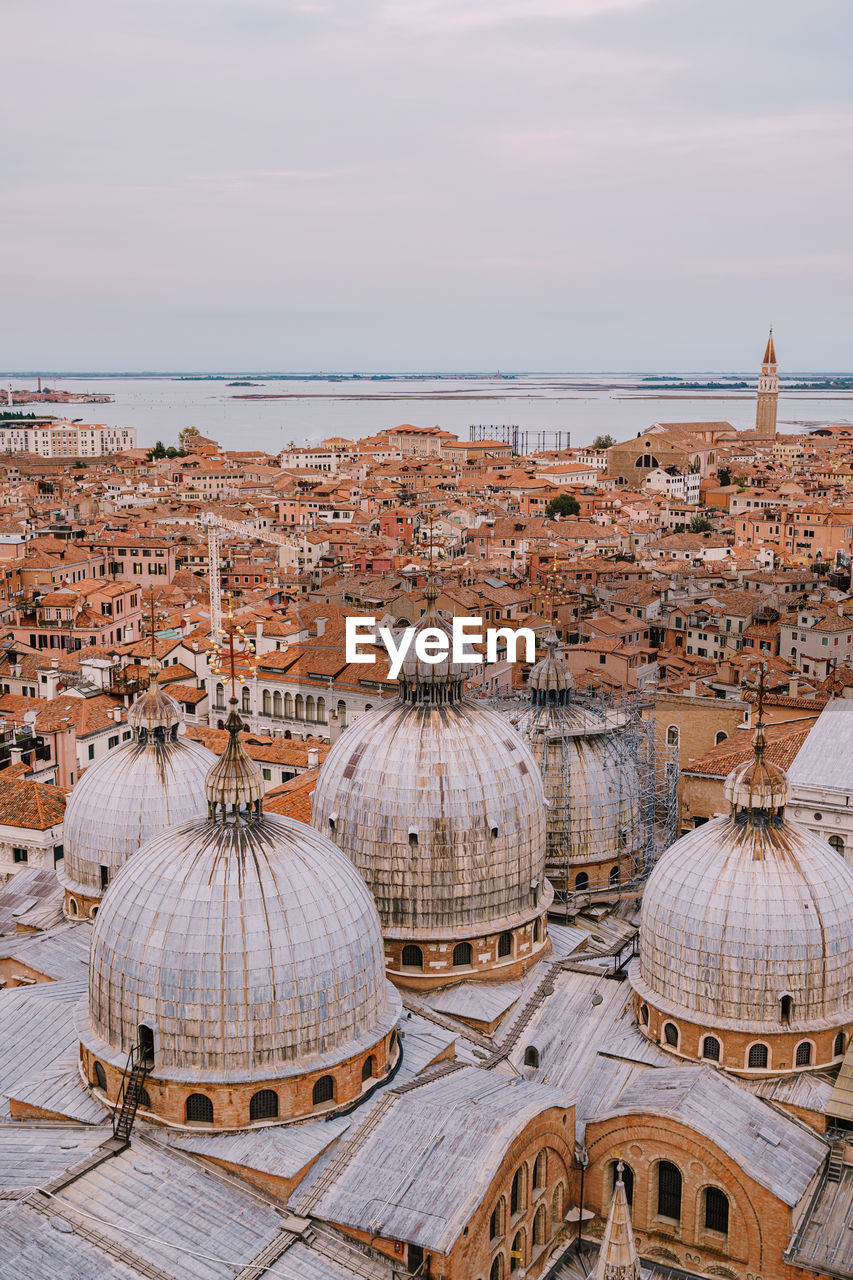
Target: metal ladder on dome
[835, 1165]
[139, 1063]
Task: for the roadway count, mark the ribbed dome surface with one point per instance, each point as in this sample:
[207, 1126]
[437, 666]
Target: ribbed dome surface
[738, 914]
[253, 949]
[125, 799]
[441, 808]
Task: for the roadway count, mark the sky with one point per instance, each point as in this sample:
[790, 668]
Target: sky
[426, 184]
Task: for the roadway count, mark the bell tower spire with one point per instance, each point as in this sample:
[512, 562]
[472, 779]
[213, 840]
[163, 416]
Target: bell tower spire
[768, 394]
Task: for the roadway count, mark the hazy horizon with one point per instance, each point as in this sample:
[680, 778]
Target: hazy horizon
[427, 185]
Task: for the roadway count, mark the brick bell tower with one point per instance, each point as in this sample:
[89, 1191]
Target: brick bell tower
[768, 394]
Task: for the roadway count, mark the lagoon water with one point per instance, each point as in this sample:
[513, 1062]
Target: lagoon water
[315, 407]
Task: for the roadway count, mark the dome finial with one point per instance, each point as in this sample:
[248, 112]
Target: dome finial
[758, 790]
[153, 710]
[235, 784]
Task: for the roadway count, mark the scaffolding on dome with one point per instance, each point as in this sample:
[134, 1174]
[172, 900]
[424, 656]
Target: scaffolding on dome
[637, 753]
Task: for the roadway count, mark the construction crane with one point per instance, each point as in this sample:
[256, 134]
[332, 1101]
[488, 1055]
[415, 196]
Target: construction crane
[217, 529]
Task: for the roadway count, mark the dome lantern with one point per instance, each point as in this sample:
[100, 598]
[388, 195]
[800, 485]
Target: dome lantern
[235, 784]
[435, 683]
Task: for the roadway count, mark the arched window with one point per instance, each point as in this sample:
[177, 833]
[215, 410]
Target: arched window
[368, 1071]
[309, 708]
[518, 1192]
[288, 706]
[100, 1077]
[757, 1056]
[838, 1047]
[497, 1269]
[581, 880]
[72, 906]
[670, 1034]
[669, 1191]
[220, 696]
[672, 735]
[557, 1202]
[614, 875]
[324, 1091]
[716, 1210]
[266, 702]
[246, 704]
[837, 844]
[342, 713]
[531, 1056]
[540, 1171]
[199, 1109]
[786, 1009]
[803, 1055]
[720, 737]
[627, 1179]
[321, 710]
[540, 1226]
[518, 1252]
[276, 703]
[299, 707]
[644, 1014]
[711, 1048]
[496, 1221]
[505, 945]
[412, 957]
[144, 1099]
[264, 1105]
[462, 955]
[537, 930]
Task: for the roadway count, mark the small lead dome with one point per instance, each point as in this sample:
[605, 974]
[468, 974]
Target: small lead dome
[244, 951]
[151, 782]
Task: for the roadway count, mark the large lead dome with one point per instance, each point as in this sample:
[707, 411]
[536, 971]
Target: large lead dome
[154, 781]
[439, 804]
[747, 931]
[247, 948]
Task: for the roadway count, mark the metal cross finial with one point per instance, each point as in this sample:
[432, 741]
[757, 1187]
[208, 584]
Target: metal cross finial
[223, 656]
[552, 593]
[760, 687]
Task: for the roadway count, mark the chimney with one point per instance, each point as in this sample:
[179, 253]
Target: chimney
[793, 687]
[321, 626]
[314, 757]
[117, 714]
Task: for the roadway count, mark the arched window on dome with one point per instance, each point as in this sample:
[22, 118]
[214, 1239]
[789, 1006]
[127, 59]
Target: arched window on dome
[838, 1047]
[669, 1191]
[324, 1091]
[463, 955]
[540, 1226]
[786, 1009]
[368, 1071]
[266, 702]
[518, 1192]
[246, 703]
[199, 1109]
[581, 880]
[670, 1034]
[803, 1054]
[145, 1099]
[758, 1056]
[531, 1056]
[264, 1105]
[644, 1014]
[504, 945]
[722, 736]
[518, 1252]
[716, 1210]
[711, 1049]
[837, 844]
[100, 1077]
[537, 929]
[412, 957]
[627, 1179]
[672, 735]
[615, 876]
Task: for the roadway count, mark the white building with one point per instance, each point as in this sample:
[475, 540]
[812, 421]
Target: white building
[66, 439]
[681, 485]
[821, 778]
